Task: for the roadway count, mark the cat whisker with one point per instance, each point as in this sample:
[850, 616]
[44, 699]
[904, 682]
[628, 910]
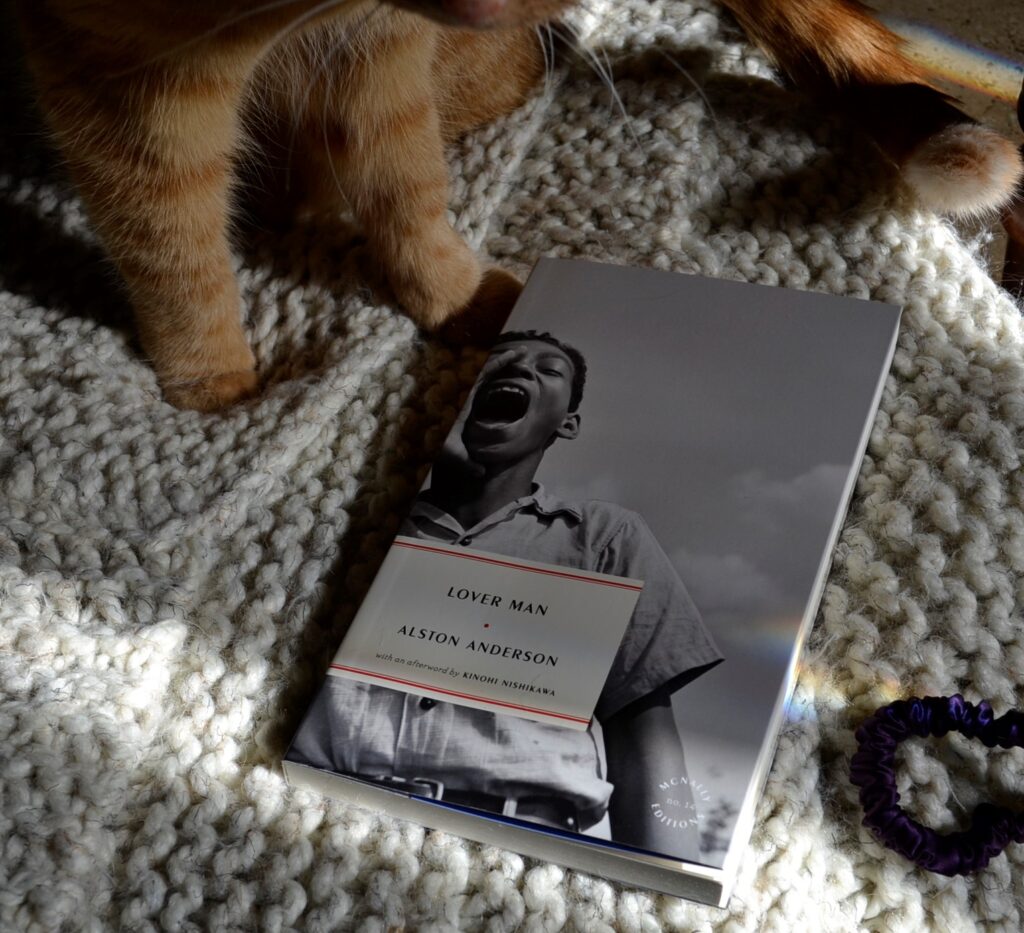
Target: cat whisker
[544, 52]
[588, 8]
[552, 50]
[604, 72]
[302, 20]
[209, 34]
[362, 32]
[547, 46]
[327, 152]
[693, 83]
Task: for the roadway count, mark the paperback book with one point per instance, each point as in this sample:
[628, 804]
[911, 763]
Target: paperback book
[582, 643]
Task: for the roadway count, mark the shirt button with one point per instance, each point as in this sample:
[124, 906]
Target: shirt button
[427, 703]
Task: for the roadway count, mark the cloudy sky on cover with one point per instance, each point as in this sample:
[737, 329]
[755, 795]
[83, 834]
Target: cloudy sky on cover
[729, 416]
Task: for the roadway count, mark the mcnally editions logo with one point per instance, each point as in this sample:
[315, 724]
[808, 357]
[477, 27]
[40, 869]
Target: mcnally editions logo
[677, 807]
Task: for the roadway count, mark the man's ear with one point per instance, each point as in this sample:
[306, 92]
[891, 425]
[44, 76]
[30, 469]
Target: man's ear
[570, 426]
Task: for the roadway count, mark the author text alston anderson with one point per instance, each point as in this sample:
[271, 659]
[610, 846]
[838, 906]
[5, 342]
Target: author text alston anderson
[483, 647]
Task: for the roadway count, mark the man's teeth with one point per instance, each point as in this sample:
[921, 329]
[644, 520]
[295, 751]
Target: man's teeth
[504, 404]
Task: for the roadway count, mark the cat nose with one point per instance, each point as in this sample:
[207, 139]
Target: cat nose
[474, 12]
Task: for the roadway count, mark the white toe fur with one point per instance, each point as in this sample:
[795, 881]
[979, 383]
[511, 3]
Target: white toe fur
[964, 170]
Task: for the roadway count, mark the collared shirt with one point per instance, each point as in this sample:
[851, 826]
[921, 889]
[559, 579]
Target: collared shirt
[366, 729]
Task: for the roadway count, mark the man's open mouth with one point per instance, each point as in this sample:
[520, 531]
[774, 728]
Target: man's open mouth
[501, 404]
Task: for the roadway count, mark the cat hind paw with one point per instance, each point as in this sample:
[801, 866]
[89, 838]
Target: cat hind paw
[964, 170]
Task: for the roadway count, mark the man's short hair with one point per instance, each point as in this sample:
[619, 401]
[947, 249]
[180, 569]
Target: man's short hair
[579, 364]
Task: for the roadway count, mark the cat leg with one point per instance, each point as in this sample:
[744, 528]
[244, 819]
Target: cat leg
[483, 75]
[152, 162]
[380, 132]
[838, 50]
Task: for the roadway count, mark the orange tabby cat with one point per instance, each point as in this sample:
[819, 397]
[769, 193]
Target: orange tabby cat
[148, 102]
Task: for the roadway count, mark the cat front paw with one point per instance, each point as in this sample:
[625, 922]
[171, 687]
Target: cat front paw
[443, 287]
[434, 278]
[211, 393]
[205, 369]
[482, 319]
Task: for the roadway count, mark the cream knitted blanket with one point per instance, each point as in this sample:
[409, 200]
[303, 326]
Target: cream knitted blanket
[172, 584]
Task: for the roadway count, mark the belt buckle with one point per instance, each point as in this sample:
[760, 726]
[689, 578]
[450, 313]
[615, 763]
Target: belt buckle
[436, 787]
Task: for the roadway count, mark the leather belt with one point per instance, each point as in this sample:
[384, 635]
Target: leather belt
[553, 811]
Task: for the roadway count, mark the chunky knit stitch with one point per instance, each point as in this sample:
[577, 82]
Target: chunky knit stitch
[172, 584]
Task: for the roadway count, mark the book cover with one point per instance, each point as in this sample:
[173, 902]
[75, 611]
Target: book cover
[581, 643]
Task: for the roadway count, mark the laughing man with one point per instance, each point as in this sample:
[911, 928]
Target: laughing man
[482, 494]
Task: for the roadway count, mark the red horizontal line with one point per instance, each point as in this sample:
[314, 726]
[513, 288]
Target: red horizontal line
[508, 563]
[455, 693]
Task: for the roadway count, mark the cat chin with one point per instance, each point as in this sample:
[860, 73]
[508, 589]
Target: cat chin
[965, 170]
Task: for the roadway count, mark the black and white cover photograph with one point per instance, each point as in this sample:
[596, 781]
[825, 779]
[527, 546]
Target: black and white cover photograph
[631, 503]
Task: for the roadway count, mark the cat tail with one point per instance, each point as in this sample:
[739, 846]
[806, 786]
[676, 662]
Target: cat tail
[836, 49]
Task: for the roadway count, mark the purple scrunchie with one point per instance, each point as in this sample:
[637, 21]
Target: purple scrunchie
[872, 769]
